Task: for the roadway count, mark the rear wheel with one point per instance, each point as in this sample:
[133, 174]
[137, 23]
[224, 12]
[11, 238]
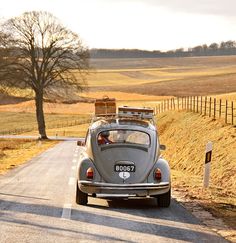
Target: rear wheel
[81, 197]
[163, 200]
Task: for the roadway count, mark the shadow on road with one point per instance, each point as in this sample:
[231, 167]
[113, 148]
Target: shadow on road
[174, 222]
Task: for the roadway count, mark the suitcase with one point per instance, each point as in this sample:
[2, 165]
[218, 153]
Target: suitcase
[105, 106]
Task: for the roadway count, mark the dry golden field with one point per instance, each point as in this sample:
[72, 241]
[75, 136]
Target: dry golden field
[160, 76]
[165, 76]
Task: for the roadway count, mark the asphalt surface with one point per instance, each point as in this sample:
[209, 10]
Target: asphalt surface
[37, 204]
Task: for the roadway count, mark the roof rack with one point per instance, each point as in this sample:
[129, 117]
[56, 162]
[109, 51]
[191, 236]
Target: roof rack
[136, 112]
[129, 113]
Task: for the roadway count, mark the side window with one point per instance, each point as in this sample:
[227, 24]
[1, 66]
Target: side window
[87, 137]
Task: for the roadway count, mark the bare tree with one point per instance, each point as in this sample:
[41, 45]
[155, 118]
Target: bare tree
[44, 54]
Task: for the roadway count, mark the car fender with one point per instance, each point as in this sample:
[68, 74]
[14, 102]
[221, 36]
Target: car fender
[83, 164]
[163, 165]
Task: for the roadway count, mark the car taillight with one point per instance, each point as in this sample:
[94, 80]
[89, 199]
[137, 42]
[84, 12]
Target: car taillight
[90, 173]
[157, 174]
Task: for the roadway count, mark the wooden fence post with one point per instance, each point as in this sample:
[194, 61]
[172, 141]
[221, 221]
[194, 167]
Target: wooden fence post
[178, 103]
[226, 111]
[214, 114]
[201, 104]
[232, 107]
[210, 108]
[205, 105]
[220, 109]
[190, 103]
[174, 103]
[193, 103]
[197, 104]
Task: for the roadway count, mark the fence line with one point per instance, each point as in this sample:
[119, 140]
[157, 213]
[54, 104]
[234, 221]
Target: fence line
[68, 123]
[206, 106]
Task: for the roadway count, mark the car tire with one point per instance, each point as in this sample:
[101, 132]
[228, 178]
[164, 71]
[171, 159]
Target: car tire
[163, 200]
[81, 197]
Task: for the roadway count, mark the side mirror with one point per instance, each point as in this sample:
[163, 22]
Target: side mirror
[162, 147]
[80, 143]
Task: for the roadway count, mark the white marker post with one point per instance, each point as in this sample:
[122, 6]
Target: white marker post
[207, 166]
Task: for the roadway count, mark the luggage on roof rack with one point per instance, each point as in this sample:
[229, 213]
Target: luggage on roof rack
[105, 106]
[136, 112]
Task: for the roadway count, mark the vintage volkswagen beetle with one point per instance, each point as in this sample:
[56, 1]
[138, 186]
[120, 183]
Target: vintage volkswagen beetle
[126, 163]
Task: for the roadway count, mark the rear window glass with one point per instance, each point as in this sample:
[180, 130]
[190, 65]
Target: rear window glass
[123, 136]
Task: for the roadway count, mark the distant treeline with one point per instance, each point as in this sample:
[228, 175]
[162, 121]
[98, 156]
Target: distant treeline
[214, 49]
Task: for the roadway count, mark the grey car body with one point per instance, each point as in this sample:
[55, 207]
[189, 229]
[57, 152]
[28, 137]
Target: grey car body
[125, 167]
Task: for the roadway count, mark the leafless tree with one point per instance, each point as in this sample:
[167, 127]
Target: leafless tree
[43, 54]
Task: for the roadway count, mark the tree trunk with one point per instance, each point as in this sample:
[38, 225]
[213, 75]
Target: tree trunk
[40, 115]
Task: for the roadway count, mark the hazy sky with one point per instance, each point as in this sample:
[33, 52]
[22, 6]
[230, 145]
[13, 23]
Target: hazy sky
[142, 24]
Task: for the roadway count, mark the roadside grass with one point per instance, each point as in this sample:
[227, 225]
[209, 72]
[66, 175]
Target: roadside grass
[186, 135]
[16, 152]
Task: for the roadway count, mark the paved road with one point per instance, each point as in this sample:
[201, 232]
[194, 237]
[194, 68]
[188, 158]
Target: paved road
[37, 205]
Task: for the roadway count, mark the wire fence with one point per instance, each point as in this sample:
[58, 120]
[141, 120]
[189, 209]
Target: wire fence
[207, 106]
[68, 123]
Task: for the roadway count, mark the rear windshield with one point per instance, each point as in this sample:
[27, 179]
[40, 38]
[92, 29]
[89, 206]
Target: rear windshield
[123, 137]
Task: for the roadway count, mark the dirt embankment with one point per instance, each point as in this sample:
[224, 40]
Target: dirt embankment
[186, 136]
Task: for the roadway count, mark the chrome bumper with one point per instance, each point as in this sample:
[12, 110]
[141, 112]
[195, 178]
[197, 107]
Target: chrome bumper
[122, 187]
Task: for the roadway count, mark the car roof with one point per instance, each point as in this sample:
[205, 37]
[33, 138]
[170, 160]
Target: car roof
[120, 123]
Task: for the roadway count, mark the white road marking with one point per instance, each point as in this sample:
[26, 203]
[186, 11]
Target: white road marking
[74, 160]
[73, 167]
[66, 212]
[71, 181]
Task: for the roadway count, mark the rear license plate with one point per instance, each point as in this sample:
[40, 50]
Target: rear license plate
[124, 168]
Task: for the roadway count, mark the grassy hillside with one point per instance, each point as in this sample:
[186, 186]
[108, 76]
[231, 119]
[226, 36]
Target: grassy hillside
[186, 135]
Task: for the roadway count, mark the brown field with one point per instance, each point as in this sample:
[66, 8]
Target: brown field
[158, 77]
[165, 76]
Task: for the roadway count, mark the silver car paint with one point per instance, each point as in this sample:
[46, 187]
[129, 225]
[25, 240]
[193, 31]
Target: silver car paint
[106, 180]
